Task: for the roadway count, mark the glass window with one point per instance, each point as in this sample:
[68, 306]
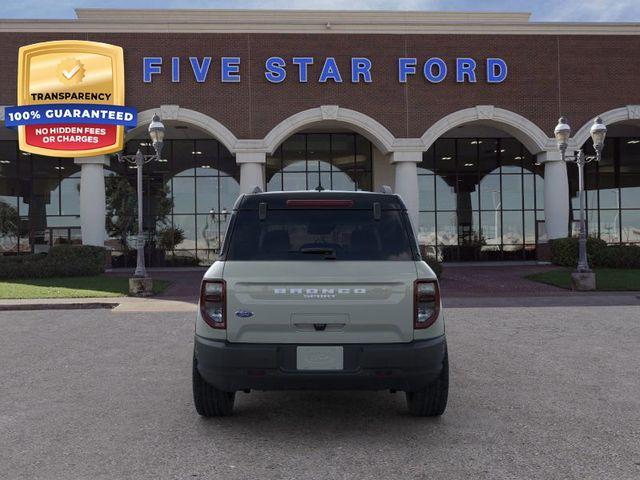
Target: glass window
[491, 224]
[445, 157]
[207, 195]
[294, 153]
[490, 197]
[319, 152]
[488, 156]
[188, 224]
[512, 228]
[341, 181]
[512, 192]
[426, 188]
[319, 234]
[183, 190]
[427, 228]
[511, 155]
[445, 194]
[183, 157]
[426, 166]
[447, 228]
[631, 226]
[609, 225]
[467, 154]
[630, 190]
[629, 155]
[70, 196]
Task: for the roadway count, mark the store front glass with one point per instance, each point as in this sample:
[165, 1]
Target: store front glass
[480, 199]
[329, 161]
[612, 189]
[39, 201]
[188, 197]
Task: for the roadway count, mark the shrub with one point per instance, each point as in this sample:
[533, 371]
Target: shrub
[182, 261]
[618, 256]
[170, 237]
[61, 261]
[564, 252]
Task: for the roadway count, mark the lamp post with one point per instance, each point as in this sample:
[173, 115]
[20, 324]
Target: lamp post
[156, 133]
[583, 278]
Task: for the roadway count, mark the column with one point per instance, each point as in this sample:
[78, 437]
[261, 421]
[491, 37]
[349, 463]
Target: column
[406, 182]
[251, 170]
[556, 194]
[93, 208]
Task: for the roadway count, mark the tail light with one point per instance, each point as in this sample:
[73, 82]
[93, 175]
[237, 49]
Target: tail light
[426, 303]
[213, 303]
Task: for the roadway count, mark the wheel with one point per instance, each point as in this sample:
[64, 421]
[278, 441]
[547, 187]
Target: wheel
[209, 401]
[432, 401]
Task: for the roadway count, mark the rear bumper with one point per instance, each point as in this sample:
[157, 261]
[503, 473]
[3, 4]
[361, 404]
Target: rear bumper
[241, 366]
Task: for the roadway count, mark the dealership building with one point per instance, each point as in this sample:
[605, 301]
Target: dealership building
[454, 111]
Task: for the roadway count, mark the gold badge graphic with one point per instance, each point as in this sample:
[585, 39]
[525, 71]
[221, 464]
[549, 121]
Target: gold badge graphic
[72, 94]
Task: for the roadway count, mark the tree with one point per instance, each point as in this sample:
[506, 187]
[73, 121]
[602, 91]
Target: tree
[122, 208]
[9, 221]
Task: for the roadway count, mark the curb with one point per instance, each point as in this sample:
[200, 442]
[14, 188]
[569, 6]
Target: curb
[57, 306]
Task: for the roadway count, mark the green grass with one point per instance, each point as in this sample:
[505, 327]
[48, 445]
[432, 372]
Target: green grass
[70, 287]
[607, 279]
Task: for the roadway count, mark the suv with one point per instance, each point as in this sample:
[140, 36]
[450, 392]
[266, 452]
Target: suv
[320, 290]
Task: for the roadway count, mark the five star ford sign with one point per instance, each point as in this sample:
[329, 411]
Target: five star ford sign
[71, 99]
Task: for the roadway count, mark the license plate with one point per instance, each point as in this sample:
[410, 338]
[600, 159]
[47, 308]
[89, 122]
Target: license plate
[320, 358]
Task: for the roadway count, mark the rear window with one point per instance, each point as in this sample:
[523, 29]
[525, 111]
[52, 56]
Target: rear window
[319, 234]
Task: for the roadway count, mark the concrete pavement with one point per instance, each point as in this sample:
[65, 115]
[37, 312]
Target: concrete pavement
[546, 392]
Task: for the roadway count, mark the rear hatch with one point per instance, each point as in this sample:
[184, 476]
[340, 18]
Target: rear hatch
[323, 272]
[313, 302]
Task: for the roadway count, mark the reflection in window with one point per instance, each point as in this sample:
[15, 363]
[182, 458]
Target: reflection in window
[612, 191]
[330, 161]
[479, 199]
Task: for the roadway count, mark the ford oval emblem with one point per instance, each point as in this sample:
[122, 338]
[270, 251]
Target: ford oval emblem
[244, 313]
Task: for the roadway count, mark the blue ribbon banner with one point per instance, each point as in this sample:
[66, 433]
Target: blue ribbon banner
[70, 113]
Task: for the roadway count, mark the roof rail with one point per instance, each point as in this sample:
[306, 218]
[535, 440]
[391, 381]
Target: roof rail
[256, 189]
[386, 189]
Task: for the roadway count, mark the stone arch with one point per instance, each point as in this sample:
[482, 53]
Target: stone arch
[382, 138]
[527, 132]
[622, 114]
[197, 119]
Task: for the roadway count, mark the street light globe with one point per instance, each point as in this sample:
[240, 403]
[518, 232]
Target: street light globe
[156, 130]
[562, 133]
[598, 132]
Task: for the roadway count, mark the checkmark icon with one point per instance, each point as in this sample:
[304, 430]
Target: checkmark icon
[71, 73]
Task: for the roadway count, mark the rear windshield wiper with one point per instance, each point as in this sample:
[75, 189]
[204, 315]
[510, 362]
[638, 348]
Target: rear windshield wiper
[328, 252]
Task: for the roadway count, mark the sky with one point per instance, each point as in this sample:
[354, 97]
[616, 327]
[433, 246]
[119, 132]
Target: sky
[542, 10]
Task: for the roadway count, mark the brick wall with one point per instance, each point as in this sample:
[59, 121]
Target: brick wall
[578, 76]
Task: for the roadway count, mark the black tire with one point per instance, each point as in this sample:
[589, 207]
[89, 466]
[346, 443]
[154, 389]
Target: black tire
[432, 401]
[208, 400]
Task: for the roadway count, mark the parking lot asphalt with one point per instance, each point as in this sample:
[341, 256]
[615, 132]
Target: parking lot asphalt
[549, 392]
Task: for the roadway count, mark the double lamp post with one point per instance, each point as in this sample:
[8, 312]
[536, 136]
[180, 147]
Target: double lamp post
[141, 284]
[583, 278]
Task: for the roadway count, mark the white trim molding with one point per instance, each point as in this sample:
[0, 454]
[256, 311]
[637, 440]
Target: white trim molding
[531, 136]
[200, 120]
[622, 114]
[356, 121]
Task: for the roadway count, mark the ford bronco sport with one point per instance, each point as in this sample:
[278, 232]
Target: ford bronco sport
[320, 290]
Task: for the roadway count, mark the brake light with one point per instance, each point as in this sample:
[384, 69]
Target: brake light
[335, 203]
[426, 303]
[213, 303]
